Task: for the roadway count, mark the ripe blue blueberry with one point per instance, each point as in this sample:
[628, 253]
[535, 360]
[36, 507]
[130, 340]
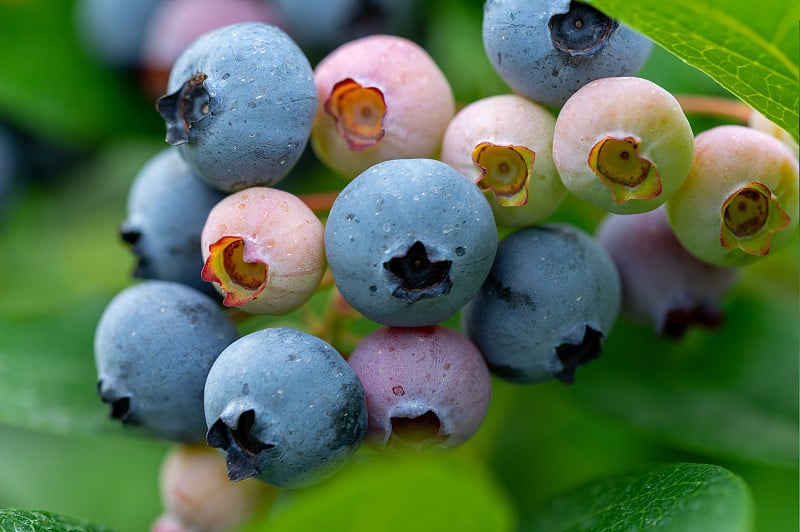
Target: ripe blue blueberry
[240, 103]
[546, 307]
[409, 241]
[547, 49]
[284, 407]
[167, 208]
[153, 347]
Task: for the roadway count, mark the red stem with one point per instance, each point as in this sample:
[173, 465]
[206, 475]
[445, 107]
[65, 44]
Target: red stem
[320, 201]
[715, 106]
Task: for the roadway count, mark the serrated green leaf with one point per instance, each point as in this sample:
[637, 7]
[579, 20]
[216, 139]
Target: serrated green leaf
[750, 48]
[35, 521]
[398, 493]
[672, 497]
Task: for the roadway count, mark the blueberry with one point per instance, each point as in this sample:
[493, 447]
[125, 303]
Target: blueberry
[740, 202]
[425, 386]
[662, 283]
[284, 407]
[262, 248]
[547, 49]
[167, 208]
[504, 143]
[409, 241]
[380, 97]
[547, 306]
[175, 24]
[153, 347]
[623, 144]
[240, 105]
[197, 495]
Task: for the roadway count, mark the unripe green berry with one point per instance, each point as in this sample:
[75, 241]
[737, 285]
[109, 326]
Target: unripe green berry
[740, 201]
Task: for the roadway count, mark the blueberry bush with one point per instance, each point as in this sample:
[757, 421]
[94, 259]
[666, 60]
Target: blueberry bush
[689, 431]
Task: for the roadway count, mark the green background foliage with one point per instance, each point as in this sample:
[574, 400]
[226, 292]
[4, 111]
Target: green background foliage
[698, 434]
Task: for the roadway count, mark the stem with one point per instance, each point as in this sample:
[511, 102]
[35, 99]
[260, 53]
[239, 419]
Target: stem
[326, 281]
[319, 201]
[715, 106]
[237, 316]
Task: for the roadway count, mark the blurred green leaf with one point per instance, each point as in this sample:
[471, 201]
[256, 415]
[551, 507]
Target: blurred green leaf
[52, 88]
[33, 521]
[60, 238]
[712, 391]
[105, 479]
[671, 497]
[447, 491]
[47, 373]
[465, 66]
[750, 48]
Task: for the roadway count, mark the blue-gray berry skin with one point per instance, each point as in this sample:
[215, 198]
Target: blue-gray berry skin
[409, 242]
[153, 346]
[284, 407]
[167, 208]
[545, 50]
[546, 307]
[240, 102]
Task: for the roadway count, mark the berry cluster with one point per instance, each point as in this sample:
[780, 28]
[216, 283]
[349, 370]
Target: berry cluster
[444, 215]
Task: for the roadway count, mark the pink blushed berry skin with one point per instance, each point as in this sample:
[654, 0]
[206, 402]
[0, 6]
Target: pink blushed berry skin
[278, 230]
[508, 120]
[409, 372]
[168, 523]
[197, 496]
[418, 98]
[622, 107]
[662, 283]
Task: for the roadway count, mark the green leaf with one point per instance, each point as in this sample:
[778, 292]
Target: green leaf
[672, 497]
[103, 479]
[34, 521]
[750, 48]
[711, 391]
[441, 491]
[47, 373]
[61, 237]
